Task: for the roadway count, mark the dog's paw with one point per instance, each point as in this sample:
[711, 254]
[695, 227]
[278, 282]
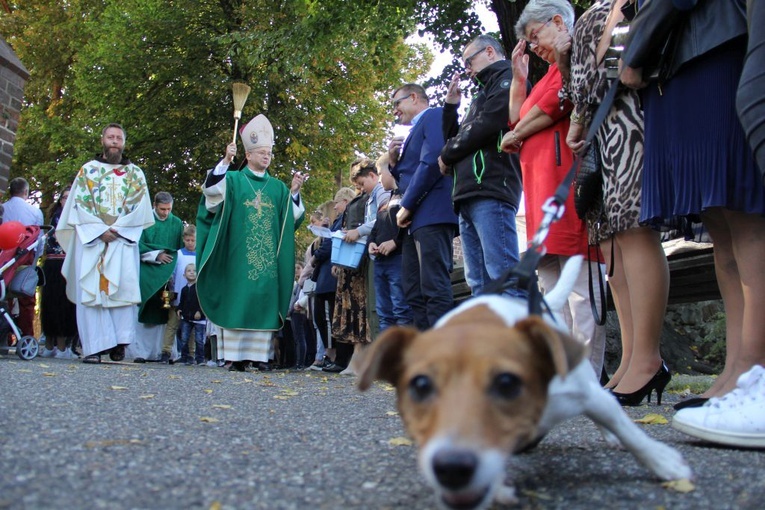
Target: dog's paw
[674, 467]
[609, 437]
[669, 464]
[505, 495]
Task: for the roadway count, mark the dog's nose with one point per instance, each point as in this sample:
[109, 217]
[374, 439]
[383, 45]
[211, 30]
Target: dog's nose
[454, 469]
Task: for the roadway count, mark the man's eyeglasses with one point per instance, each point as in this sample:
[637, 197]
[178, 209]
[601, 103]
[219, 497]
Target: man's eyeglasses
[397, 102]
[534, 35]
[469, 60]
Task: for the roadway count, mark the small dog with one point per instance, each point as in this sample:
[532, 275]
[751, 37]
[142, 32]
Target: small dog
[488, 381]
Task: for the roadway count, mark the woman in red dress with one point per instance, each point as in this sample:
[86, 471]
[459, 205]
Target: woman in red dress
[540, 122]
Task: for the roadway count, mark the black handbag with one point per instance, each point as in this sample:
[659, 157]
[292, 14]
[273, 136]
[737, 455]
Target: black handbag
[588, 184]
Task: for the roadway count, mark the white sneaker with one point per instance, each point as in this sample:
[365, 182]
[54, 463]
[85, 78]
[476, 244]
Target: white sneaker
[48, 353]
[66, 354]
[212, 363]
[736, 419]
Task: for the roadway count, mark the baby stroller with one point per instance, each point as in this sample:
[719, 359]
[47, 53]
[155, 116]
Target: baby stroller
[19, 276]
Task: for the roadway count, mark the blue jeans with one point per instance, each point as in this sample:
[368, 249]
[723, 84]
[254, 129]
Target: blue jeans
[199, 340]
[390, 302]
[489, 241]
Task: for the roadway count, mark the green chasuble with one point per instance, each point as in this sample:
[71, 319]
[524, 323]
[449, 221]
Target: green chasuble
[163, 235]
[246, 254]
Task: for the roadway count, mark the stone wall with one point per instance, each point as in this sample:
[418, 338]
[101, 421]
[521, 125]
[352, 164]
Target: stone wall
[690, 332]
[13, 77]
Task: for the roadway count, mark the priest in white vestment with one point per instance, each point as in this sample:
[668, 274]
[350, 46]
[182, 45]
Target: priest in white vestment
[99, 229]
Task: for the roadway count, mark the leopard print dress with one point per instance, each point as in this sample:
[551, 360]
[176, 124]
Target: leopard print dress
[620, 136]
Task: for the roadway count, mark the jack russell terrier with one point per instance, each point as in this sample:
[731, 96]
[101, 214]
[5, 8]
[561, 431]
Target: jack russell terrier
[488, 381]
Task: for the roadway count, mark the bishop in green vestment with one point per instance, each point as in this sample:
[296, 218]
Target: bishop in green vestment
[246, 249]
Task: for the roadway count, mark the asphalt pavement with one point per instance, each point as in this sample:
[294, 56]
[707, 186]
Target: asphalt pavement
[127, 436]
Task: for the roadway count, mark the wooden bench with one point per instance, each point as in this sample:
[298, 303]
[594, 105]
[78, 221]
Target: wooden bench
[691, 278]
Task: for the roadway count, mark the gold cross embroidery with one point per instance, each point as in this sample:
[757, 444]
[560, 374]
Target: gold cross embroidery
[257, 202]
[114, 193]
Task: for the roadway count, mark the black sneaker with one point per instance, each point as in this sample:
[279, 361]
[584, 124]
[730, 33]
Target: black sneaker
[333, 368]
[319, 365]
[117, 353]
[165, 358]
[238, 366]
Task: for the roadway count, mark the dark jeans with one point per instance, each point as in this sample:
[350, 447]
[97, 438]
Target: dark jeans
[390, 302]
[300, 327]
[199, 340]
[426, 264]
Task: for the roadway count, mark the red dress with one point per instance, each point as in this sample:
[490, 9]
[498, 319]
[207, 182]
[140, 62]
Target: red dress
[545, 160]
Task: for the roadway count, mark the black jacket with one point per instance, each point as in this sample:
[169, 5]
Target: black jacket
[386, 228]
[481, 169]
[189, 303]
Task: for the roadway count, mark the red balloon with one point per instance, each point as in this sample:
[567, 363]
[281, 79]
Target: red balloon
[11, 234]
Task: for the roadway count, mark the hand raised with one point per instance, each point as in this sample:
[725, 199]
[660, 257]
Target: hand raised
[230, 152]
[454, 93]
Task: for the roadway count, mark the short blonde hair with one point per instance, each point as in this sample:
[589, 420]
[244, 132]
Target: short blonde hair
[345, 194]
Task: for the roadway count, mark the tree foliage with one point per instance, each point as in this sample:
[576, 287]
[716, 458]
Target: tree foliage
[321, 70]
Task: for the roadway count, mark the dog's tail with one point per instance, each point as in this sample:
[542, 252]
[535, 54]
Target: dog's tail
[558, 295]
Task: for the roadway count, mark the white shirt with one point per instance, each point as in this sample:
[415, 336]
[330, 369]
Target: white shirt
[17, 209]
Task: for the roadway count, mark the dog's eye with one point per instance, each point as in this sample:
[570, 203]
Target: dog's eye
[506, 385]
[421, 387]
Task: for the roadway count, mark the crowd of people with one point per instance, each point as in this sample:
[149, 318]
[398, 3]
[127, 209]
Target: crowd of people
[227, 290]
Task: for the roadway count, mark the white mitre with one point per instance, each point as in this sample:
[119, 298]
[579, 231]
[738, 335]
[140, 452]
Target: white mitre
[257, 133]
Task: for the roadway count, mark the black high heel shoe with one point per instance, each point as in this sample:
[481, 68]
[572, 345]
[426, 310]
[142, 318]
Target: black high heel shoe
[658, 382]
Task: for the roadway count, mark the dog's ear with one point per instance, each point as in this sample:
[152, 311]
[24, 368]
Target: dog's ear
[566, 353]
[382, 359]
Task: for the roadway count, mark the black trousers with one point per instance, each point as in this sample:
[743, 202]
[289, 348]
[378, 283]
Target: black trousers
[425, 272]
[323, 312]
[750, 100]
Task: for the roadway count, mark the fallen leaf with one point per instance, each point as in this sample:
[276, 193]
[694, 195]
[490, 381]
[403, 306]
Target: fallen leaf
[215, 382]
[208, 391]
[49, 374]
[290, 393]
[44, 365]
[147, 396]
[652, 419]
[117, 388]
[537, 495]
[247, 380]
[400, 441]
[112, 442]
[388, 387]
[215, 505]
[392, 413]
[684, 486]
[174, 377]
[221, 406]
[208, 419]
[25, 370]
[281, 397]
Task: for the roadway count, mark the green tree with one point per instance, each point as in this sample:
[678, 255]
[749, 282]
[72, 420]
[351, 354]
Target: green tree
[321, 70]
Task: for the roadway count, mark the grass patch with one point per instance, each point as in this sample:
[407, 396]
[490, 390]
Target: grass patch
[682, 383]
